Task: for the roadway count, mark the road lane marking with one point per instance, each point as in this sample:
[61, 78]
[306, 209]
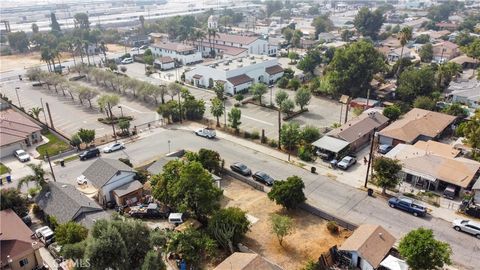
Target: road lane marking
[257, 120]
[130, 108]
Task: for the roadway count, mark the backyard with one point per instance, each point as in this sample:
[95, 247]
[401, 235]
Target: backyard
[308, 241]
[54, 146]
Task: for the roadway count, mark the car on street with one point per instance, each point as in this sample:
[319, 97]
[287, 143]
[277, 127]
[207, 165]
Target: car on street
[113, 147]
[468, 226]
[241, 169]
[90, 153]
[81, 180]
[127, 60]
[346, 162]
[407, 205]
[264, 178]
[21, 155]
[384, 148]
[206, 132]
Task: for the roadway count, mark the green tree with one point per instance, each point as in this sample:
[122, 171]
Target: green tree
[75, 141]
[287, 106]
[288, 193]
[368, 23]
[228, 226]
[473, 50]
[307, 64]
[423, 102]
[74, 251]
[392, 112]
[38, 176]
[153, 261]
[415, 82]
[290, 136]
[35, 112]
[108, 250]
[273, 6]
[423, 252]
[456, 109]
[282, 83]
[294, 84]
[404, 35]
[352, 68]
[18, 41]
[234, 117]
[258, 90]
[292, 56]
[124, 125]
[192, 245]
[70, 233]
[471, 131]
[280, 97]
[426, 53]
[302, 97]
[210, 160]
[422, 39]
[310, 134]
[386, 171]
[81, 21]
[217, 109]
[441, 12]
[219, 91]
[347, 35]
[194, 109]
[86, 135]
[55, 26]
[13, 199]
[281, 226]
[446, 72]
[34, 28]
[322, 24]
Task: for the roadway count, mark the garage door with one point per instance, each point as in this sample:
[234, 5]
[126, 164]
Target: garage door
[7, 150]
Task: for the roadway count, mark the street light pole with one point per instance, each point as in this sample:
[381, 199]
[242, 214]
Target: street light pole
[50, 164]
[44, 114]
[224, 115]
[271, 94]
[18, 98]
[121, 110]
[169, 146]
[370, 156]
[113, 125]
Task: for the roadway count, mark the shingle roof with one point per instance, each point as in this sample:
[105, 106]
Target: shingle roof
[65, 202]
[235, 38]
[166, 59]
[15, 127]
[359, 126]
[128, 188]
[103, 169]
[245, 261]
[330, 144]
[240, 79]
[157, 166]
[372, 242]
[15, 240]
[418, 122]
[274, 70]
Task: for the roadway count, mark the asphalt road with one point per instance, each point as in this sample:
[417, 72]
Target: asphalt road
[329, 195]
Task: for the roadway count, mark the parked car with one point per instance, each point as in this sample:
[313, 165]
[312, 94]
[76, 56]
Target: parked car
[90, 153]
[346, 162]
[127, 60]
[384, 148]
[468, 226]
[264, 178]
[143, 47]
[151, 210]
[27, 220]
[114, 147]
[407, 205]
[449, 192]
[176, 218]
[241, 169]
[134, 49]
[81, 180]
[45, 234]
[206, 132]
[21, 155]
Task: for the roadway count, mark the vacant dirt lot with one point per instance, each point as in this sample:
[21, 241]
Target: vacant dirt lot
[309, 240]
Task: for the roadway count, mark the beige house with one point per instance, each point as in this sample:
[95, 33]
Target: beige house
[445, 51]
[246, 261]
[17, 249]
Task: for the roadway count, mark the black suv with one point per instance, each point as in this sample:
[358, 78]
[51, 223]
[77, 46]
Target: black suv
[90, 153]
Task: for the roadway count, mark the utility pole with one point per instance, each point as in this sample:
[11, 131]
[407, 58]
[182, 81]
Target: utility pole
[50, 164]
[43, 110]
[180, 106]
[18, 98]
[370, 156]
[111, 120]
[224, 115]
[49, 115]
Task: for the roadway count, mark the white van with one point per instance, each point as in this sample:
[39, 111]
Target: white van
[176, 218]
[45, 234]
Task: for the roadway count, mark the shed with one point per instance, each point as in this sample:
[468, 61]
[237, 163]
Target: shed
[129, 193]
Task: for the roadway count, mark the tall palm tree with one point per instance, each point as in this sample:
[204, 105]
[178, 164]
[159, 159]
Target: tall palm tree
[404, 35]
[35, 112]
[79, 47]
[103, 48]
[212, 34]
[85, 46]
[38, 176]
[46, 56]
[199, 36]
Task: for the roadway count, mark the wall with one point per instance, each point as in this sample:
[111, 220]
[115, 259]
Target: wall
[116, 181]
[7, 150]
[184, 59]
[32, 262]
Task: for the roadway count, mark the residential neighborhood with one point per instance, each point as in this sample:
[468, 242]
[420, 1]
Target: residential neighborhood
[258, 134]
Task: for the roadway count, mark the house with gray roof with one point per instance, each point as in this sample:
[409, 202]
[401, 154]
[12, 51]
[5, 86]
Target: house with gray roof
[106, 175]
[66, 203]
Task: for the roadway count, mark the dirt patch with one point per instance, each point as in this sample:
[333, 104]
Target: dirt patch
[115, 48]
[26, 60]
[310, 238]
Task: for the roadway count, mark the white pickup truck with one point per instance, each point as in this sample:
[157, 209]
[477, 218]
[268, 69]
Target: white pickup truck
[206, 132]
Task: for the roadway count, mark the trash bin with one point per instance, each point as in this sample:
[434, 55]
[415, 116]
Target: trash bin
[62, 163]
[370, 192]
[313, 170]
[9, 178]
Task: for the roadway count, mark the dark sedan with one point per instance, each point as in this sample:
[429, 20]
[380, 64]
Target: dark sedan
[241, 169]
[264, 178]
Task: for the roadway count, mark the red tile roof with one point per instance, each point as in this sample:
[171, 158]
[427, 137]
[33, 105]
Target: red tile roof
[15, 127]
[166, 59]
[274, 70]
[15, 237]
[245, 40]
[173, 46]
[229, 50]
[240, 79]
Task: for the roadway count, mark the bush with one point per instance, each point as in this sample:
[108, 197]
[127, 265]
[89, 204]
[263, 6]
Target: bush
[37, 211]
[272, 143]
[305, 153]
[246, 135]
[33, 191]
[332, 227]
[115, 120]
[141, 176]
[237, 104]
[255, 135]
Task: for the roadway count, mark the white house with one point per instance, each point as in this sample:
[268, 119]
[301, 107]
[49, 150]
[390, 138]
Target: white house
[236, 74]
[253, 44]
[107, 175]
[212, 22]
[464, 92]
[184, 54]
[164, 63]
[394, 55]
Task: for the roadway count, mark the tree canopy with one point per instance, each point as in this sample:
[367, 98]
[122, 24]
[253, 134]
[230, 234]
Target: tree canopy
[70, 233]
[288, 193]
[13, 199]
[322, 24]
[228, 226]
[281, 226]
[386, 171]
[415, 82]
[369, 22]
[392, 112]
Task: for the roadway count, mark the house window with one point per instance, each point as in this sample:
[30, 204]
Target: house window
[34, 136]
[23, 262]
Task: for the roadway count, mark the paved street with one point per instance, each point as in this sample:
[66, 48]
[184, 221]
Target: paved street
[332, 196]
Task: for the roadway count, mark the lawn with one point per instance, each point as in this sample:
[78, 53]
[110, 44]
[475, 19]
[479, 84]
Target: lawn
[4, 169]
[54, 146]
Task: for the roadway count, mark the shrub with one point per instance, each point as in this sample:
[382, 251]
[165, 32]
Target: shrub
[237, 104]
[33, 191]
[332, 227]
[272, 143]
[264, 139]
[246, 135]
[141, 176]
[255, 135]
[305, 153]
[37, 211]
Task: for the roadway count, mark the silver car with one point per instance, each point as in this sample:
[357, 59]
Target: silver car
[346, 162]
[22, 155]
[467, 226]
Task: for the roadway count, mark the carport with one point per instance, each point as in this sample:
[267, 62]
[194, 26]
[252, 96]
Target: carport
[330, 147]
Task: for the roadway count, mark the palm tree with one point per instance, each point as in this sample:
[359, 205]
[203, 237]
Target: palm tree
[38, 176]
[85, 46]
[212, 34]
[79, 47]
[103, 48]
[35, 112]
[404, 35]
[46, 56]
